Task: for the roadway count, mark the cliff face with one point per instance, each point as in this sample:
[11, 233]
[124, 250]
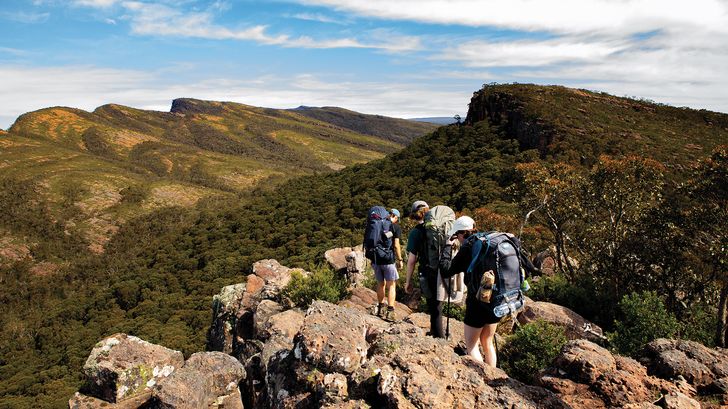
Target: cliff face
[506, 111]
[577, 126]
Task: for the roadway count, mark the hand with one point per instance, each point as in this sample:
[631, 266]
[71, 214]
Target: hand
[400, 264]
[408, 287]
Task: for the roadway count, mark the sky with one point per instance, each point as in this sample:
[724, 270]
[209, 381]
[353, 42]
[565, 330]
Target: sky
[408, 58]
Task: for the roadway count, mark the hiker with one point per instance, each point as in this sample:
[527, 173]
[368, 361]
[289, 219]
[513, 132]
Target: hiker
[480, 320]
[396, 239]
[416, 252]
[379, 238]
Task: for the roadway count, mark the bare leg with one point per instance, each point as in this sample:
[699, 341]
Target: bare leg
[472, 336]
[486, 339]
[391, 288]
[380, 292]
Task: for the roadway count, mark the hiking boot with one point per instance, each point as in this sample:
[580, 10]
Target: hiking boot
[390, 315]
[379, 310]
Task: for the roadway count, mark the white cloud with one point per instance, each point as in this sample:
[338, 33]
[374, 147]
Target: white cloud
[479, 53]
[26, 89]
[558, 16]
[161, 20]
[96, 3]
[321, 18]
[23, 17]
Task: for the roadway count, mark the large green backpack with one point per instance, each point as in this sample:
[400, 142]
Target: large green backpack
[438, 222]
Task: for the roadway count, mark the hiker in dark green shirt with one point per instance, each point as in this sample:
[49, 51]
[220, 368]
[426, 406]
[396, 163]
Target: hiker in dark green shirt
[415, 249]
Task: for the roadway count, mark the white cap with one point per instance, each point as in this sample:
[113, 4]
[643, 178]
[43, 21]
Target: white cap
[462, 223]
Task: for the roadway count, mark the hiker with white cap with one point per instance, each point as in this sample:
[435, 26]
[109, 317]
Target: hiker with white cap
[481, 319]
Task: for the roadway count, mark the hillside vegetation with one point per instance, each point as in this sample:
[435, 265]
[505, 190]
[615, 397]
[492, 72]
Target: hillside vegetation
[96, 170]
[159, 270]
[391, 129]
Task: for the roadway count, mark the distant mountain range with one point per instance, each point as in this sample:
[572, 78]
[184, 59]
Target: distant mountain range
[118, 162]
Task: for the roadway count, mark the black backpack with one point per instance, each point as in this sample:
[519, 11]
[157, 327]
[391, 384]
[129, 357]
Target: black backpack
[501, 253]
[378, 236]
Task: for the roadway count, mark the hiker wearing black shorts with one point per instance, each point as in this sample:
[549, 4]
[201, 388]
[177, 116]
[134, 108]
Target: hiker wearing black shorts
[480, 320]
[415, 251]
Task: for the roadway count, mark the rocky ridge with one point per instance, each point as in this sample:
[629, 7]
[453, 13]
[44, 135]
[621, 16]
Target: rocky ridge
[267, 354]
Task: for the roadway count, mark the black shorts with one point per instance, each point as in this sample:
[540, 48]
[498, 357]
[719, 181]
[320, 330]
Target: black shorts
[478, 315]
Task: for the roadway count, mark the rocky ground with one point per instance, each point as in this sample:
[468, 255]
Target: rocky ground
[265, 354]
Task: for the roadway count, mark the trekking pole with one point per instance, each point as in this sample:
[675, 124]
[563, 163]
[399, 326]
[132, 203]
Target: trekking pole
[447, 325]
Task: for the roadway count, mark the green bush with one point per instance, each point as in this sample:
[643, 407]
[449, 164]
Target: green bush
[321, 284]
[644, 318]
[531, 349]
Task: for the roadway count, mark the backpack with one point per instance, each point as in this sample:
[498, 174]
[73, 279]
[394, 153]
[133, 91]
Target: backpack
[378, 236]
[438, 222]
[501, 253]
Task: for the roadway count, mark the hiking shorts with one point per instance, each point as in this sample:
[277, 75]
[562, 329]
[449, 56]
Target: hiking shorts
[386, 272]
[478, 315]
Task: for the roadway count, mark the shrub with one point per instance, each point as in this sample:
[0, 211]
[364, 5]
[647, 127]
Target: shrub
[644, 319]
[321, 284]
[531, 349]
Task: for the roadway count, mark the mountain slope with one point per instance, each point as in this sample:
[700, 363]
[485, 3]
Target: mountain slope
[577, 126]
[119, 162]
[392, 129]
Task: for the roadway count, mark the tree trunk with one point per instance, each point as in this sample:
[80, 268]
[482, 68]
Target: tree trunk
[723, 317]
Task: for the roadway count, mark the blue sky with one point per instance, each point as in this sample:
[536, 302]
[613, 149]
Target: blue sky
[399, 58]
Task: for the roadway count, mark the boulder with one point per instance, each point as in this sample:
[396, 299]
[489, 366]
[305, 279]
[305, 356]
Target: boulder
[418, 371]
[677, 400]
[699, 365]
[333, 338]
[204, 378]
[346, 259]
[584, 361]
[575, 325]
[123, 367]
[273, 273]
[587, 375]
[263, 312]
[363, 299]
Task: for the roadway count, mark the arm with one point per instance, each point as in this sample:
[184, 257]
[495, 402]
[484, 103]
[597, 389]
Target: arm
[411, 261]
[398, 253]
[450, 266]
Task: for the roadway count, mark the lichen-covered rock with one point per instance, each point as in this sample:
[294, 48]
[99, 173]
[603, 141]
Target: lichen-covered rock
[231, 401]
[225, 308]
[204, 378]
[575, 325]
[123, 366]
[333, 338]
[699, 365]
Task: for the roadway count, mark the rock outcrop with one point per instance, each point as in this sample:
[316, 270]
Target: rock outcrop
[575, 326]
[340, 356]
[586, 375]
[123, 367]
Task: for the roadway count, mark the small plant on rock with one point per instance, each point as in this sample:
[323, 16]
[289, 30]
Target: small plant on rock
[532, 348]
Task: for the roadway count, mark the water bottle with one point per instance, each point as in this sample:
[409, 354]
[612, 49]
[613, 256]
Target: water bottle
[501, 310]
